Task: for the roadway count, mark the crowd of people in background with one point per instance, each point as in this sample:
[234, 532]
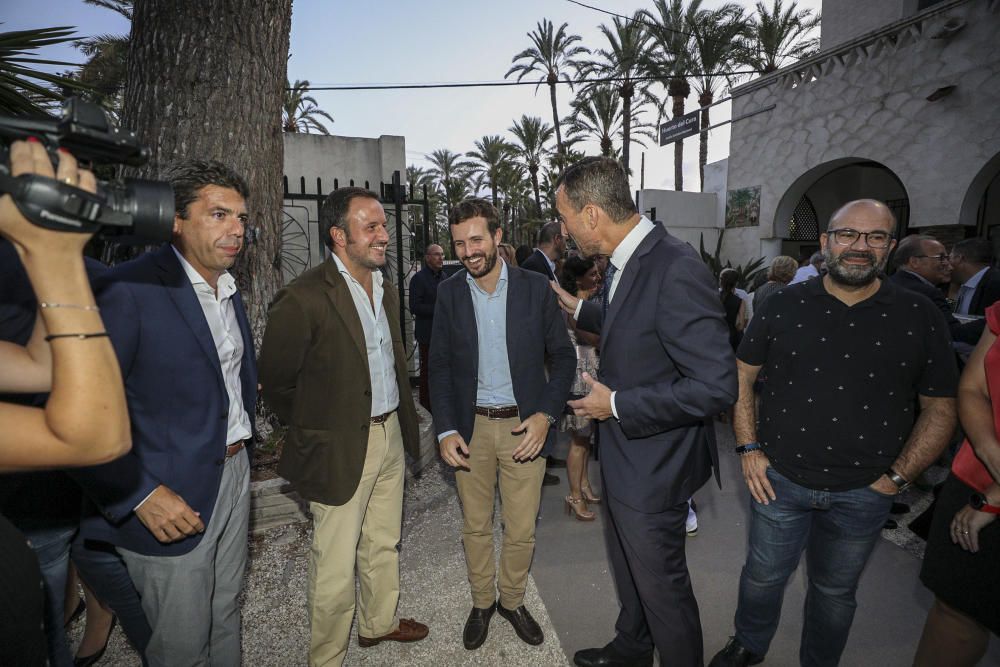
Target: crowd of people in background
[845, 382]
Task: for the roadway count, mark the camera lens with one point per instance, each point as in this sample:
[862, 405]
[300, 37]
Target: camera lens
[138, 211]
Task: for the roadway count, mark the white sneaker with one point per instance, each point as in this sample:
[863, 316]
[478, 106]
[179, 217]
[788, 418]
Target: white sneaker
[692, 522]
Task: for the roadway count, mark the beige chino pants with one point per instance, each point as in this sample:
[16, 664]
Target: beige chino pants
[363, 532]
[520, 492]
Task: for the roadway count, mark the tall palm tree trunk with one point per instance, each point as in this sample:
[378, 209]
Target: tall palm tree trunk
[555, 113]
[626, 94]
[533, 170]
[704, 100]
[678, 147]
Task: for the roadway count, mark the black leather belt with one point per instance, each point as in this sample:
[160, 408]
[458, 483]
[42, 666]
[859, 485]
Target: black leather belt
[381, 419]
[502, 412]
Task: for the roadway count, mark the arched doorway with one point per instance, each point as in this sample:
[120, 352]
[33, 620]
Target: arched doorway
[981, 207]
[805, 209]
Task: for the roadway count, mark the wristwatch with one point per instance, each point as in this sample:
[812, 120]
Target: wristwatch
[902, 484]
[980, 503]
[549, 418]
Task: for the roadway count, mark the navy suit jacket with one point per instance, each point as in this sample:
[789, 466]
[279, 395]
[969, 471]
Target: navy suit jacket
[665, 351]
[987, 292]
[538, 263]
[536, 331]
[423, 295]
[176, 396]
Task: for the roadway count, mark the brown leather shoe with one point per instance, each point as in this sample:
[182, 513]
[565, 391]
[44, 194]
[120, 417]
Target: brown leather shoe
[409, 631]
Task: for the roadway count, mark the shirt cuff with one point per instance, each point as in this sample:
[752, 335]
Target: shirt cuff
[579, 307]
[442, 436]
[614, 408]
[144, 499]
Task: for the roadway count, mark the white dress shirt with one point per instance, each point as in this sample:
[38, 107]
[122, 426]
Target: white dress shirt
[378, 340]
[217, 305]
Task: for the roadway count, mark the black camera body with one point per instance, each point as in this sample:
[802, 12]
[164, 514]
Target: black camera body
[127, 210]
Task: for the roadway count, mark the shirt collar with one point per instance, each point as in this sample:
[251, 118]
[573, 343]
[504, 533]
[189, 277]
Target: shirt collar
[552, 265]
[903, 268]
[500, 283]
[630, 243]
[376, 274]
[226, 284]
[973, 282]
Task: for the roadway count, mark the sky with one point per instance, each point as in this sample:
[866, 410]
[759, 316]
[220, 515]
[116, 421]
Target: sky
[402, 41]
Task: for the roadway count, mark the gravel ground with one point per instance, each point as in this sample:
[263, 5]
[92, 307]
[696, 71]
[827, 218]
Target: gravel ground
[434, 590]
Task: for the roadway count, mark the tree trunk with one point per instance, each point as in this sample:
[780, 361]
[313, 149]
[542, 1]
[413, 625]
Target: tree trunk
[552, 79]
[678, 148]
[626, 93]
[704, 100]
[533, 170]
[206, 80]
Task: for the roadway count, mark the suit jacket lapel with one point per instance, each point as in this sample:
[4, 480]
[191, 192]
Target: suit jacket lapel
[628, 275]
[343, 303]
[183, 295]
[465, 315]
[513, 316]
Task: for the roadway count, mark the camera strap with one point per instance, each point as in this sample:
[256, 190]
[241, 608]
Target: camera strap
[48, 203]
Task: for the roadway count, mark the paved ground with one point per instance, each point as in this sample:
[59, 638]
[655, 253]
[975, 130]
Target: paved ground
[570, 593]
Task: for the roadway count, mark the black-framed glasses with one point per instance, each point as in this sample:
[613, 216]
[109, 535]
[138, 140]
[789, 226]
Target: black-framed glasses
[942, 258]
[846, 236]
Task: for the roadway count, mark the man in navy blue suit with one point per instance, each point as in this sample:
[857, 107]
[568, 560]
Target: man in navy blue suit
[177, 506]
[423, 295]
[493, 329]
[666, 370]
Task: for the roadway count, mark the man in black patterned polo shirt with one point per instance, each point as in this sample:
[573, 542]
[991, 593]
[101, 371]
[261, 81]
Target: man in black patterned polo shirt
[849, 359]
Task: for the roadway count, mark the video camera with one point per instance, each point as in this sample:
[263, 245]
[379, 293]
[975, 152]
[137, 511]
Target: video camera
[129, 210]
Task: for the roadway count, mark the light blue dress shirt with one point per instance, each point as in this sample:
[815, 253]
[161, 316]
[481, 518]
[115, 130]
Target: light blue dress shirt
[495, 385]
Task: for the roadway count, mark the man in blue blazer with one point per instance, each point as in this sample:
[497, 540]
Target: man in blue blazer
[494, 327]
[177, 506]
[666, 370]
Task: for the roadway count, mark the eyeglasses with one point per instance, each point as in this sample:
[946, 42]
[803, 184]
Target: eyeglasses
[848, 237]
[943, 258]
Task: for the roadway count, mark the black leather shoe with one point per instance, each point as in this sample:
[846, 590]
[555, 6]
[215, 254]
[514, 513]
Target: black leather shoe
[735, 655]
[553, 462]
[477, 627]
[524, 625]
[609, 657]
[550, 480]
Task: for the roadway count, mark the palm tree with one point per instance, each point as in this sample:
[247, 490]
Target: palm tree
[553, 52]
[19, 92]
[718, 35]
[670, 31]
[299, 112]
[491, 153]
[450, 173]
[627, 61]
[779, 35]
[598, 116]
[532, 133]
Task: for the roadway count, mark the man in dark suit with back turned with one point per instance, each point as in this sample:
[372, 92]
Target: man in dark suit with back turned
[493, 407]
[423, 295]
[972, 266]
[178, 505]
[666, 370]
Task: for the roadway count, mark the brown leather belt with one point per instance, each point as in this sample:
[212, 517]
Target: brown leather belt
[235, 448]
[504, 412]
[381, 419]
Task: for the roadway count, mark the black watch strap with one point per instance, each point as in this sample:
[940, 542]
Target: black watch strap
[980, 503]
[901, 482]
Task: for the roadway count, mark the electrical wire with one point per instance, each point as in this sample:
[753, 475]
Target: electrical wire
[657, 26]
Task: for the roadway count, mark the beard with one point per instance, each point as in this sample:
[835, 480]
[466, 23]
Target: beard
[489, 261]
[360, 254]
[853, 275]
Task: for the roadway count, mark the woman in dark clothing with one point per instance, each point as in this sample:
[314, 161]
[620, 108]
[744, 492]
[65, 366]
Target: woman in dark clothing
[735, 309]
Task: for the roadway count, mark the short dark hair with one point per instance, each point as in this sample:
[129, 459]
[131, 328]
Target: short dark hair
[910, 246]
[574, 267]
[187, 177]
[974, 251]
[522, 254]
[475, 207]
[335, 208]
[548, 232]
[600, 181]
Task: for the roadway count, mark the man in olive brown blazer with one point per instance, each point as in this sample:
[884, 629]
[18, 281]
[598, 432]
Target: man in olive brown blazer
[333, 368]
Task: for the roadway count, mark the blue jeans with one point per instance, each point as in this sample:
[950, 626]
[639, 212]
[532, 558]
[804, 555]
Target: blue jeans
[51, 546]
[838, 530]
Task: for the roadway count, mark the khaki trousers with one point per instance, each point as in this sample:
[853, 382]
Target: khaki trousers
[364, 531]
[520, 492]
